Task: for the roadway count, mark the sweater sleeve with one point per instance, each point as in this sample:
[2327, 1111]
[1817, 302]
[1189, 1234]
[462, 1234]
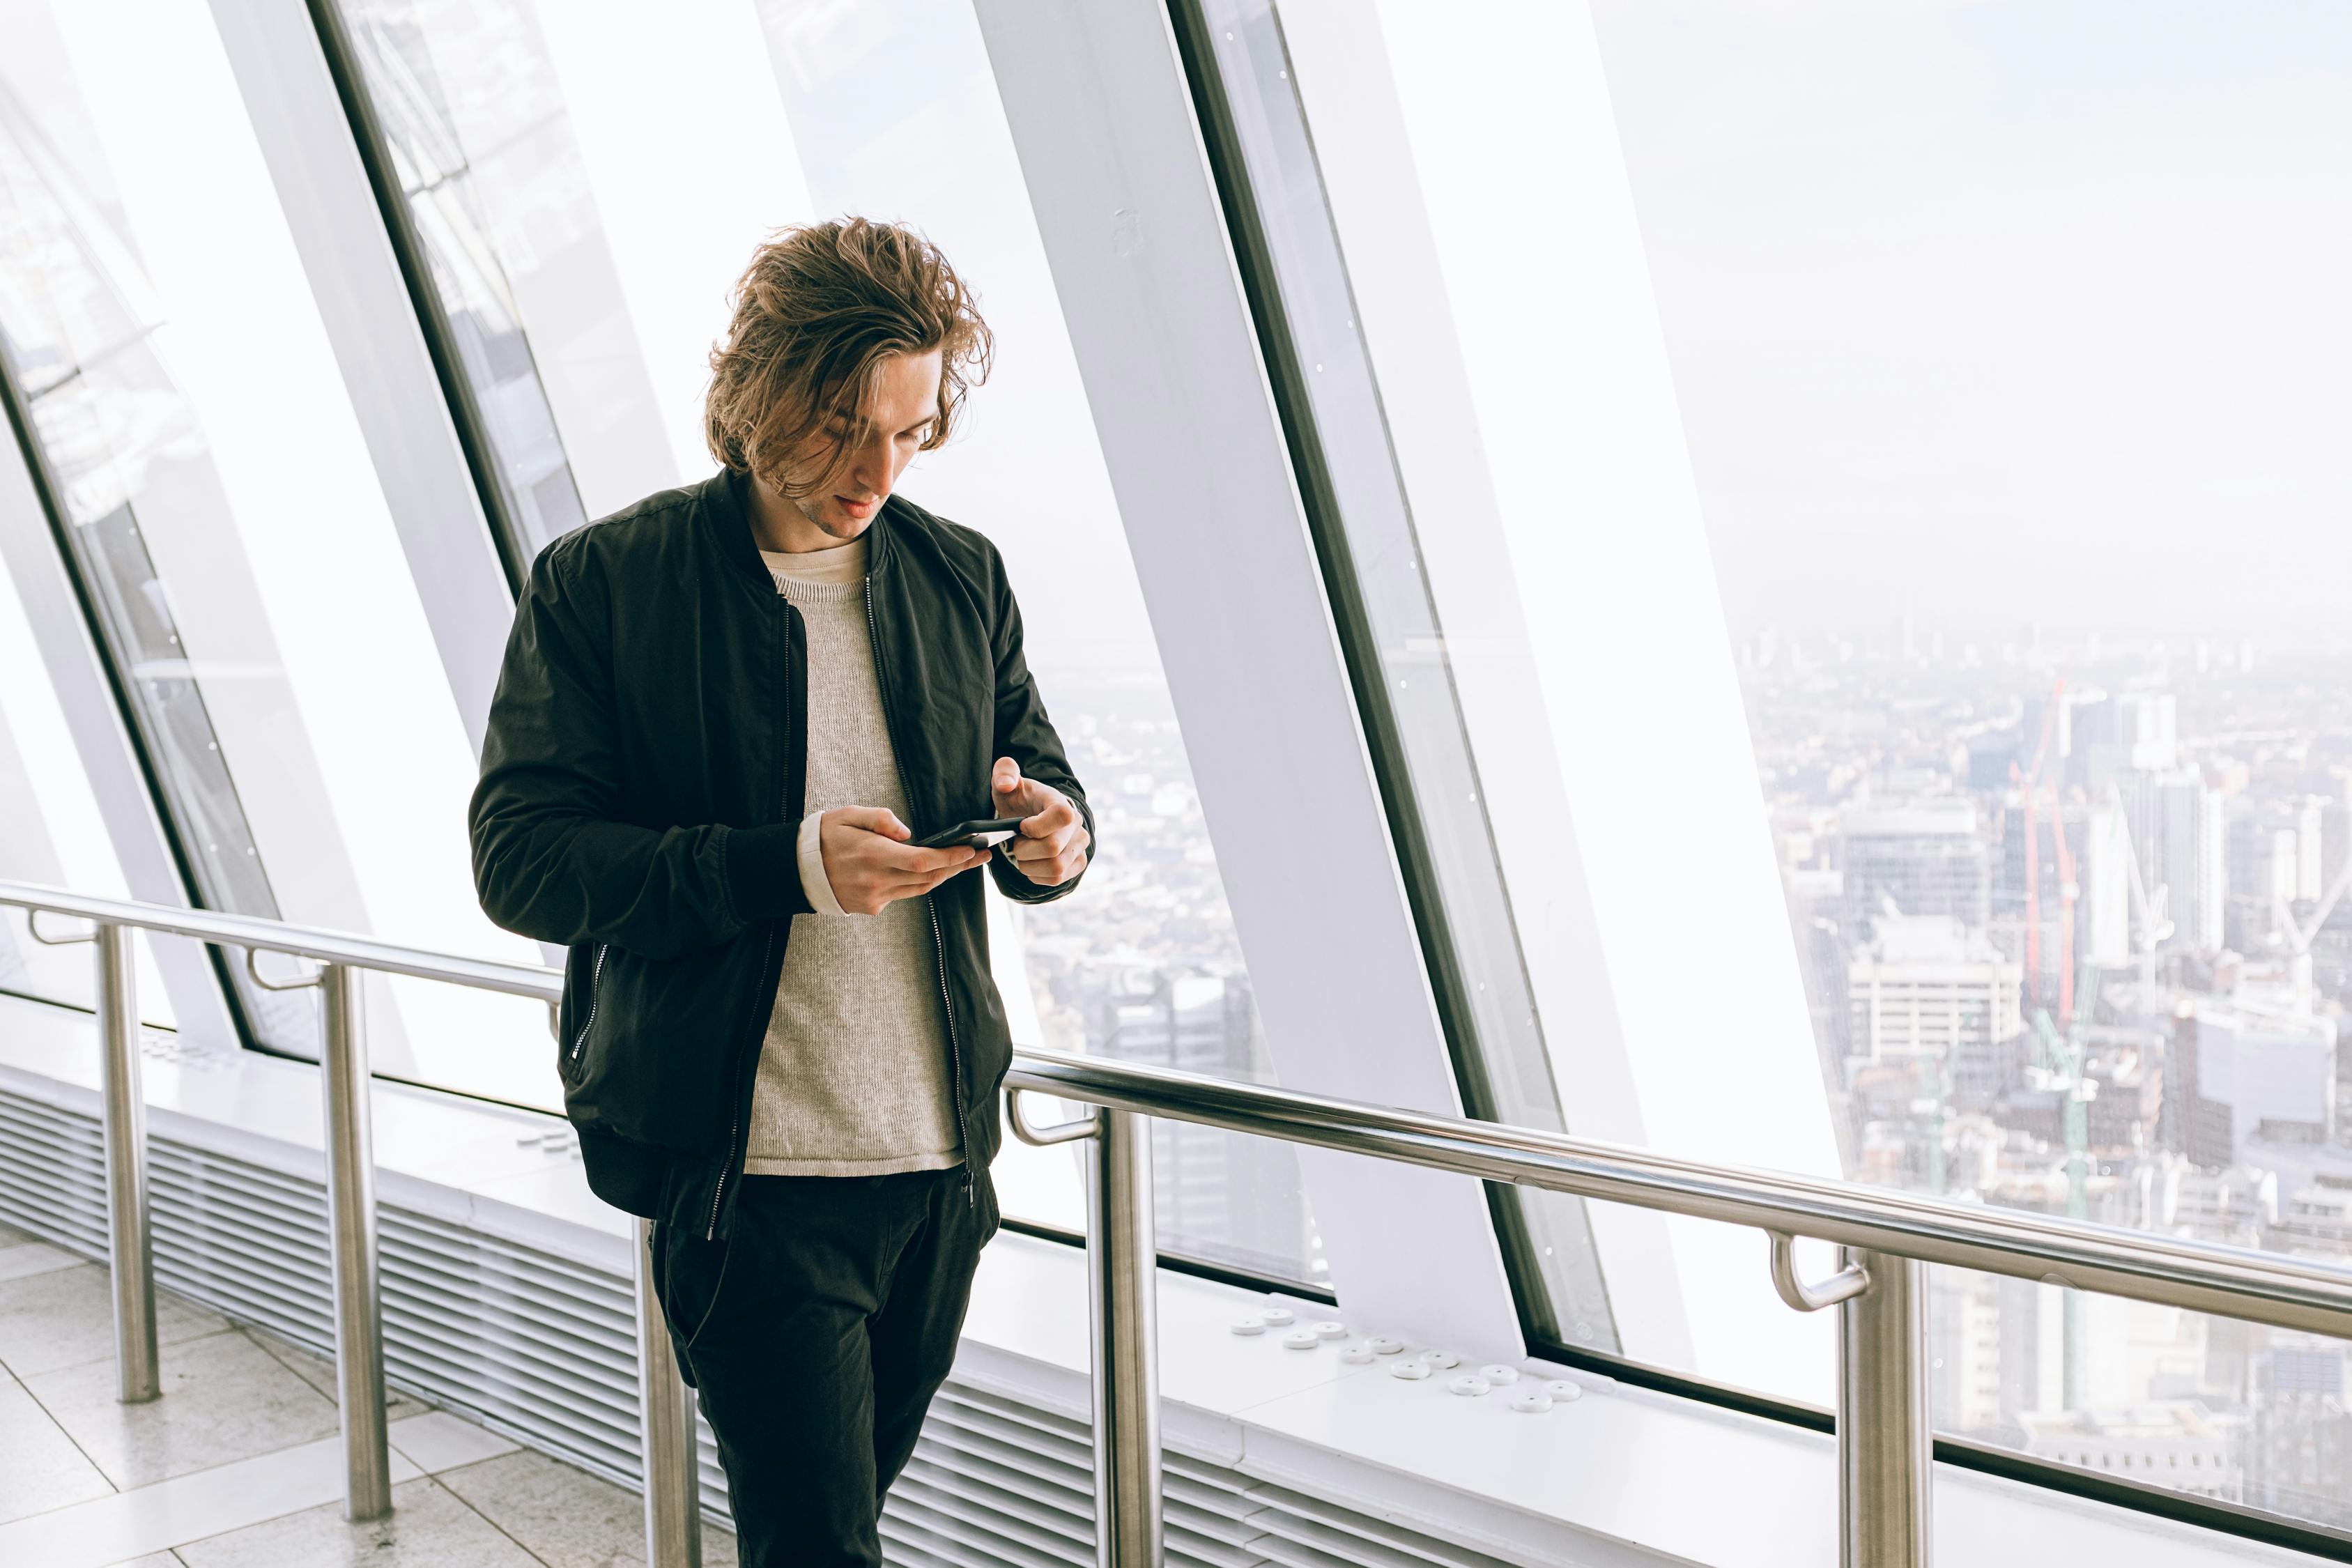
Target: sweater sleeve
[813, 880]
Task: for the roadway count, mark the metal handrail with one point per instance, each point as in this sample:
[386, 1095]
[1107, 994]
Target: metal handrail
[301, 942]
[1886, 1237]
[2234, 1282]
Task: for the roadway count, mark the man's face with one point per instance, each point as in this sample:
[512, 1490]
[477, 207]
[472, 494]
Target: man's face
[858, 478]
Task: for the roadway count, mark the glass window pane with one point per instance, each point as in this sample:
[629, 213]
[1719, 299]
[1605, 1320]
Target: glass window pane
[50, 830]
[1402, 663]
[1927, 419]
[225, 521]
[592, 187]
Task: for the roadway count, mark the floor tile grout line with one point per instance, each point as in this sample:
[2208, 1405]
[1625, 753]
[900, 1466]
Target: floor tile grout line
[266, 1343]
[280, 1350]
[158, 1481]
[162, 1349]
[466, 1503]
[260, 1341]
[66, 1433]
[162, 1480]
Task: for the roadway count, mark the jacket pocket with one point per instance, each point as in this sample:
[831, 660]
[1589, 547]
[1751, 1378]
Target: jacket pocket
[575, 1049]
[652, 1064]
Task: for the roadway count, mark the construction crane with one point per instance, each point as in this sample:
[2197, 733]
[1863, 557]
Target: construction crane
[2064, 1059]
[2299, 937]
[2030, 785]
[2069, 889]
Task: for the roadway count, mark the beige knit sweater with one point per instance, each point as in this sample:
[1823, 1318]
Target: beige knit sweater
[854, 1078]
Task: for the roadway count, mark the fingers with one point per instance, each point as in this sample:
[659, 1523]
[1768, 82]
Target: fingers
[1071, 834]
[878, 819]
[1054, 872]
[907, 862]
[1054, 860]
[915, 886]
[1053, 816]
[876, 892]
[1007, 776]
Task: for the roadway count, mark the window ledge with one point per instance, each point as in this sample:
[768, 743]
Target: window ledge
[1622, 1477]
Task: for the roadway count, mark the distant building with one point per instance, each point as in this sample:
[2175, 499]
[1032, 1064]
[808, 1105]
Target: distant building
[2335, 842]
[2180, 1446]
[2234, 1204]
[2264, 857]
[2301, 1437]
[2191, 860]
[2124, 1088]
[1928, 857]
[1965, 1359]
[2102, 910]
[2135, 732]
[1238, 1198]
[1927, 987]
[2246, 1074]
[1990, 757]
[2310, 849]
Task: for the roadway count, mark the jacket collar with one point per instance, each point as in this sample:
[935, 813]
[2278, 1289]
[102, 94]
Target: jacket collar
[726, 509]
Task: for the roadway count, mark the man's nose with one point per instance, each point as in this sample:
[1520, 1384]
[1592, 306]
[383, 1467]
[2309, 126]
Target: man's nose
[872, 472]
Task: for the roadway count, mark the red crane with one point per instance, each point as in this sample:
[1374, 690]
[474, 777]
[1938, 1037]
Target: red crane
[2030, 783]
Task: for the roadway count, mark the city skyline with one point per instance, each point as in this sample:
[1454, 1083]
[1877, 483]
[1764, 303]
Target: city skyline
[2075, 939]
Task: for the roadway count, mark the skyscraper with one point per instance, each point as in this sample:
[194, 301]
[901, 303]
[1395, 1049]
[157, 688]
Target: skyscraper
[1926, 858]
[2191, 860]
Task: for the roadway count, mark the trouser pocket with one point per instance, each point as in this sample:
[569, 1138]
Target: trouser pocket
[689, 1274]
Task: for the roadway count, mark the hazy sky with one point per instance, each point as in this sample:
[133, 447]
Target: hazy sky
[2006, 310]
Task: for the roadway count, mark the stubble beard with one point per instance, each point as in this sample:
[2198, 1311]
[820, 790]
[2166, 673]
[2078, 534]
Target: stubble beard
[814, 512]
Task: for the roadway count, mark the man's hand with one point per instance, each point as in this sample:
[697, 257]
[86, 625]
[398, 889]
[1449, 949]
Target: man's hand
[1051, 845]
[869, 862]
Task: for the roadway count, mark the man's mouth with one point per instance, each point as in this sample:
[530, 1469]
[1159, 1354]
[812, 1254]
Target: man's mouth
[858, 507]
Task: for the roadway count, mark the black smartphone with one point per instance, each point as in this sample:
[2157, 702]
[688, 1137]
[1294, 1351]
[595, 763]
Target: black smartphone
[979, 835]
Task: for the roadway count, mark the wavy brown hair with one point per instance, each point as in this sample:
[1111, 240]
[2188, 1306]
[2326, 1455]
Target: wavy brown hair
[820, 307]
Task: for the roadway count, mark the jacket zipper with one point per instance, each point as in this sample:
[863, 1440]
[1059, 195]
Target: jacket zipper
[595, 974]
[938, 942]
[735, 1127]
[767, 949]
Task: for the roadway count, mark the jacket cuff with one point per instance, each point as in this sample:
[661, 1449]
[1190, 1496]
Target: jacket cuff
[762, 872]
[808, 850]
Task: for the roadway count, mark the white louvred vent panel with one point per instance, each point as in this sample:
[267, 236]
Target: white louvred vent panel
[1344, 1534]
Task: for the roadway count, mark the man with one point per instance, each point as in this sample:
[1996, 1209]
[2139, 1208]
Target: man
[725, 713]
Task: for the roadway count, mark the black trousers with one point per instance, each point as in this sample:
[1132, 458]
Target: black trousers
[815, 1335]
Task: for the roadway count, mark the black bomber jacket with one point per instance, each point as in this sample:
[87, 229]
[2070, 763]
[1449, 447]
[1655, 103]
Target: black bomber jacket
[640, 803]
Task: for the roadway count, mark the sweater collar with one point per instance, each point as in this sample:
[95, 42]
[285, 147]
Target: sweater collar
[727, 508]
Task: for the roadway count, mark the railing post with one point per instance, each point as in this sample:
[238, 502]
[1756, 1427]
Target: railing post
[125, 1118]
[666, 1429]
[1122, 1261]
[1884, 1436]
[350, 1227]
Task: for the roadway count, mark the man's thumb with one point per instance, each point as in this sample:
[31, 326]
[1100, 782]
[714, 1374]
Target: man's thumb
[878, 819]
[1007, 777]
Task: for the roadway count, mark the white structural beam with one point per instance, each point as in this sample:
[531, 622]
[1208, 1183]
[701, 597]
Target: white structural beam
[1553, 493]
[331, 210]
[108, 759]
[1103, 122]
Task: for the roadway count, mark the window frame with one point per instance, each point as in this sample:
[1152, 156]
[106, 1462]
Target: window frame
[111, 744]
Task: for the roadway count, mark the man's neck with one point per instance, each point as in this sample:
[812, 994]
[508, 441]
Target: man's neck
[780, 526]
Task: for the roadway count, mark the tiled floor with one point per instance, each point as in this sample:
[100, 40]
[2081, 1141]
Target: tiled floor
[240, 1464]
